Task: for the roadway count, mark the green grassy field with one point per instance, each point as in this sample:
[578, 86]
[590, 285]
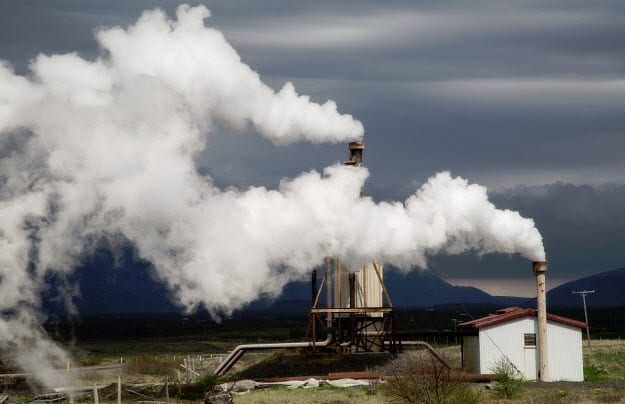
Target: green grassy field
[151, 362]
[604, 360]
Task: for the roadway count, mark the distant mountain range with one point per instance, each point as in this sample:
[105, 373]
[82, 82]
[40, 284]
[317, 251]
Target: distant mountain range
[609, 290]
[123, 284]
[108, 285]
[417, 289]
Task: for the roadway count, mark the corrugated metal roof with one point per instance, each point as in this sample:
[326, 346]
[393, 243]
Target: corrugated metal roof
[513, 313]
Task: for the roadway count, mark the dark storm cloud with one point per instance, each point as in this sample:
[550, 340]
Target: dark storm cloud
[583, 227]
[457, 41]
[504, 93]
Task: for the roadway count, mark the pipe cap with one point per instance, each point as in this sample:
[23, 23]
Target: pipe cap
[539, 267]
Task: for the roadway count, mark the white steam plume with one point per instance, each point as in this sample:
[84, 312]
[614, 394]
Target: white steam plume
[106, 148]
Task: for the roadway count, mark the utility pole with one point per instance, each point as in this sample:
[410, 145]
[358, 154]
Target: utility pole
[584, 293]
[456, 321]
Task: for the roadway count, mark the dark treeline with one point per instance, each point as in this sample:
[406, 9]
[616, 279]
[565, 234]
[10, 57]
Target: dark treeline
[253, 325]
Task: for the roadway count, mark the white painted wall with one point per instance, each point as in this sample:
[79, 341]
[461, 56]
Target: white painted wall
[566, 360]
[506, 340]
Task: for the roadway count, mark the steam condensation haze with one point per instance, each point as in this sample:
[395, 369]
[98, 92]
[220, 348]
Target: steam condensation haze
[106, 148]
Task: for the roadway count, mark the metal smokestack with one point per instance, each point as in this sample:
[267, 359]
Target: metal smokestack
[540, 267]
[355, 154]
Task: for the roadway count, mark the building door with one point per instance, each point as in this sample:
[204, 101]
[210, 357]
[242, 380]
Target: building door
[530, 357]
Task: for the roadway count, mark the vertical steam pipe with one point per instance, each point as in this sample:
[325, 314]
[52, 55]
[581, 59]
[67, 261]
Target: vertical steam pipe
[329, 290]
[540, 267]
[352, 305]
[313, 316]
[352, 290]
[314, 284]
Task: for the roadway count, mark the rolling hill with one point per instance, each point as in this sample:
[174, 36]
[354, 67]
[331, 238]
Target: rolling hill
[609, 290]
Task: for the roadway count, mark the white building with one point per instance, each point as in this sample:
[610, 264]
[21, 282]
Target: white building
[511, 334]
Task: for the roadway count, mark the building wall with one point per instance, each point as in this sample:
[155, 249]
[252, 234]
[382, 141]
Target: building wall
[471, 354]
[565, 352]
[507, 340]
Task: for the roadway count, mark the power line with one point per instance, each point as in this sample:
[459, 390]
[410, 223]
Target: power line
[584, 293]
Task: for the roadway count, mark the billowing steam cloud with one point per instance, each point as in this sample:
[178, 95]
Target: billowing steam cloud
[106, 148]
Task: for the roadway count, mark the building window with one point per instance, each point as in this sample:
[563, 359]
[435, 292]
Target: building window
[529, 339]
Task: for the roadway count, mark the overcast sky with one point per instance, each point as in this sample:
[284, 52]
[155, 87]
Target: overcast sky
[523, 97]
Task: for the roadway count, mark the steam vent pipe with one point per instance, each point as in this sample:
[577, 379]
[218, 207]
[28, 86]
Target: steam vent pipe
[355, 154]
[540, 267]
[314, 284]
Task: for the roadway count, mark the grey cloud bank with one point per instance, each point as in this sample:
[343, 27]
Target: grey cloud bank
[107, 147]
[524, 95]
[506, 94]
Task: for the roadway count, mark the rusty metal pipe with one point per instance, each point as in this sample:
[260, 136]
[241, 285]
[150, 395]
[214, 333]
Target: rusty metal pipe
[428, 347]
[314, 285]
[352, 290]
[352, 305]
[329, 290]
[238, 352]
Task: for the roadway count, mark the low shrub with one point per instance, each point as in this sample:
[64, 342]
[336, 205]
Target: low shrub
[508, 381]
[425, 380]
[197, 390]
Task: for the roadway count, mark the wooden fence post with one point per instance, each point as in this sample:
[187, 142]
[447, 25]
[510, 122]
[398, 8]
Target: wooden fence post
[119, 390]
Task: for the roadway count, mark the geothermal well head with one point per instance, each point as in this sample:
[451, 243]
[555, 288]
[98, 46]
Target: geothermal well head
[358, 310]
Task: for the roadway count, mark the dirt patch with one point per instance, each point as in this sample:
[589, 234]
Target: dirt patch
[281, 365]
